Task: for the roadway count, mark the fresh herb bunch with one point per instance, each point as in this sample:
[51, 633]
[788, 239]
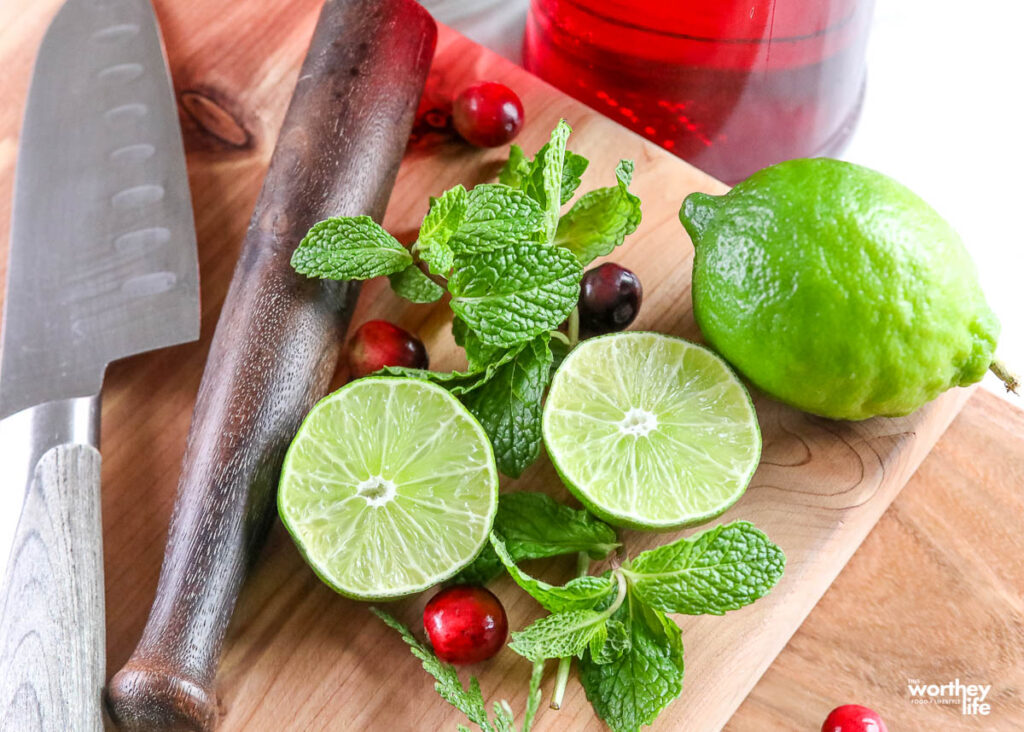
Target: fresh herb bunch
[512, 264]
[630, 651]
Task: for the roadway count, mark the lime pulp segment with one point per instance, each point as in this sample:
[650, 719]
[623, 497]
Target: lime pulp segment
[650, 431]
[389, 487]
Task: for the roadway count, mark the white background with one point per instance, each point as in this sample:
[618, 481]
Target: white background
[943, 114]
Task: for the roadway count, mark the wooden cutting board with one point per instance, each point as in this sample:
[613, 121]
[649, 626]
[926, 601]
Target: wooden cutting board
[935, 593]
[300, 657]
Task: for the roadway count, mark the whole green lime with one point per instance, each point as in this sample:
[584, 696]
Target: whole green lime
[835, 289]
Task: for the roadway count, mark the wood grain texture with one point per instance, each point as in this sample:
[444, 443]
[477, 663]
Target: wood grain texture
[276, 343]
[297, 656]
[935, 593]
[52, 645]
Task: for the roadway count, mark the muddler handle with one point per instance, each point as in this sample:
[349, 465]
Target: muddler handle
[275, 347]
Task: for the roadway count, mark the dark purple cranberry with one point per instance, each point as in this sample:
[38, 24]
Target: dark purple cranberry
[610, 298]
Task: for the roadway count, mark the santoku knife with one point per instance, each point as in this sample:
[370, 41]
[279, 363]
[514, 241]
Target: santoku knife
[102, 265]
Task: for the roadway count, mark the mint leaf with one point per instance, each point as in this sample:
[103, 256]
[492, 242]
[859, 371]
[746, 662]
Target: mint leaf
[511, 295]
[415, 286]
[478, 353]
[557, 636]
[534, 526]
[496, 216]
[601, 219]
[349, 248]
[628, 692]
[481, 570]
[508, 406]
[612, 644]
[439, 259]
[457, 382]
[442, 220]
[544, 181]
[581, 593]
[573, 167]
[721, 569]
[515, 169]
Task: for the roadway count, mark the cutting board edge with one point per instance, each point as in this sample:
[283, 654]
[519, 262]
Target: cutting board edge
[946, 410]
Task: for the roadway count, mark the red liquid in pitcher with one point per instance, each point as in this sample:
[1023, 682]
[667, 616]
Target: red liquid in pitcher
[731, 87]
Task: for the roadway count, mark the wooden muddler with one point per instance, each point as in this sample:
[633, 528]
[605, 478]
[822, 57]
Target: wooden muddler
[275, 347]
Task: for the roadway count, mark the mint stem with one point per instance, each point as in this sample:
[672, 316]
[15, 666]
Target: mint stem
[1010, 380]
[564, 664]
[574, 327]
[560, 336]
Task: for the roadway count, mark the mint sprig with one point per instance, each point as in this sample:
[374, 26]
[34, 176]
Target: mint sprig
[512, 264]
[630, 651]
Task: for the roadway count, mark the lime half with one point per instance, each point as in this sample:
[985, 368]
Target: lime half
[650, 431]
[389, 487]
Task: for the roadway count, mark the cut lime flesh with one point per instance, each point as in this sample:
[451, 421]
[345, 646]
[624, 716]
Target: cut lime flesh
[650, 431]
[389, 487]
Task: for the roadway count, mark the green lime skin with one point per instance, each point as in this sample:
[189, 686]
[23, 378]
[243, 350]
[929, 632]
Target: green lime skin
[835, 289]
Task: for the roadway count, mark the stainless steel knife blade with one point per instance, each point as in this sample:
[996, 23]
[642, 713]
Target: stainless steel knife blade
[103, 257]
[102, 265]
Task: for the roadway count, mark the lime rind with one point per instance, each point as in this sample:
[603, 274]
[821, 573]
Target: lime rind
[388, 488]
[650, 431]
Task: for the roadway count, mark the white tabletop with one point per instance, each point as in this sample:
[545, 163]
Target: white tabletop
[943, 114]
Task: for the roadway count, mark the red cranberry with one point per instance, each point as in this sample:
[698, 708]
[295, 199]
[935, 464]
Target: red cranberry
[610, 298]
[466, 624]
[487, 114]
[378, 343]
[853, 718]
